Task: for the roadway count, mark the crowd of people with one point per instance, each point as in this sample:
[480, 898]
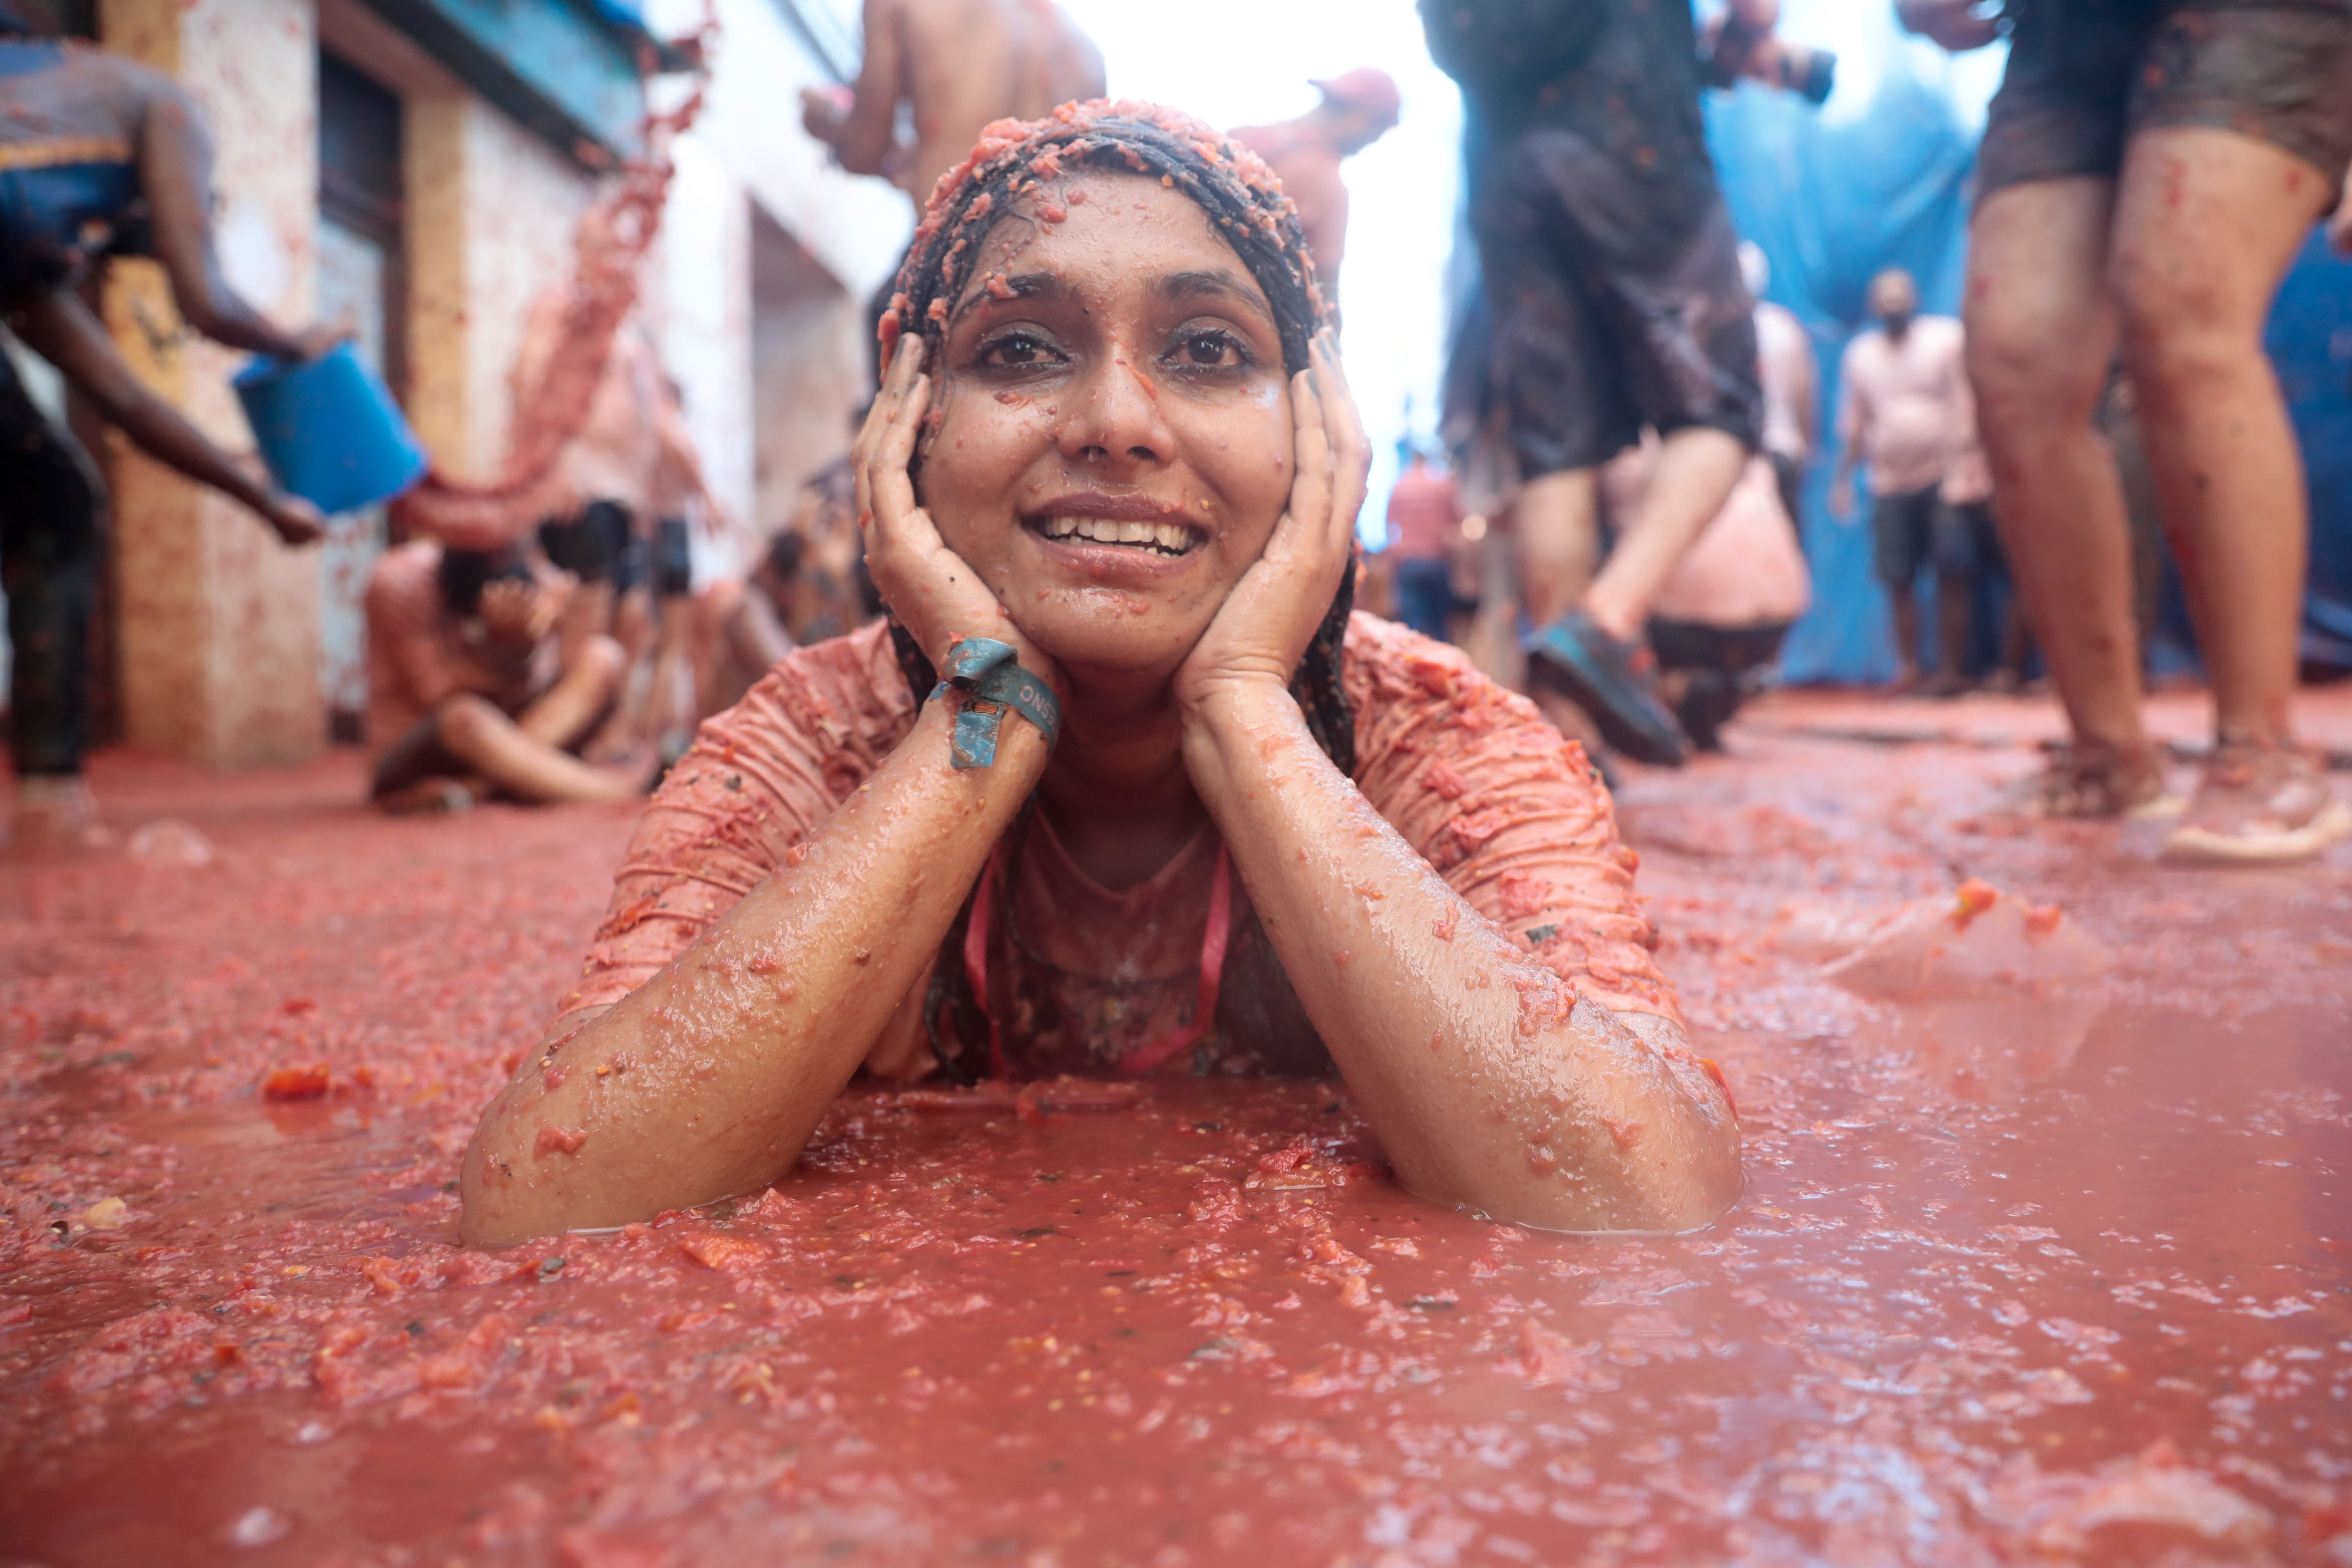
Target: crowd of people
[1049, 733]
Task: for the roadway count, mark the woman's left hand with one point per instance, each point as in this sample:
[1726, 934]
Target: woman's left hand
[1266, 624]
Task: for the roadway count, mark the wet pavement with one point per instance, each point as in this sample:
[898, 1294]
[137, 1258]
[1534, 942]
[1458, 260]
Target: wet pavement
[2052, 1271]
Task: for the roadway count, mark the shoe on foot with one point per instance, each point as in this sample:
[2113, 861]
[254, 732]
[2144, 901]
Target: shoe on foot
[2094, 781]
[1602, 675]
[2260, 800]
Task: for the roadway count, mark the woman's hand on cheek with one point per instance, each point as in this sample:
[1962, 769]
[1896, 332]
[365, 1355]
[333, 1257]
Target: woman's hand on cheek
[1259, 636]
[931, 590]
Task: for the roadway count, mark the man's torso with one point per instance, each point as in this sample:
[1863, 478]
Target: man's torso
[1911, 390]
[969, 62]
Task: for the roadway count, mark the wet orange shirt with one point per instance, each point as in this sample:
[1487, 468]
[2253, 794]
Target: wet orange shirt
[1510, 814]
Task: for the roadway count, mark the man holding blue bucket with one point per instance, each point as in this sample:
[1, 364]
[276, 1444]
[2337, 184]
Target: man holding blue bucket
[99, 157]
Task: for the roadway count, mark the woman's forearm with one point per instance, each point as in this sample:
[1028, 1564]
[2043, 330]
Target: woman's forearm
[708, 1079]
[1490, 1084]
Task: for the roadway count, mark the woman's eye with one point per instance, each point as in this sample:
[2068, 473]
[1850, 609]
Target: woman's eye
[1208, 351]
[1018, 349]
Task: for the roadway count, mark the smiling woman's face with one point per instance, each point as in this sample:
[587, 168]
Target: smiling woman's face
[1114, 439]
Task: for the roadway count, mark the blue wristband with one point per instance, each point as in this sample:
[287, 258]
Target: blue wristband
[989, 675]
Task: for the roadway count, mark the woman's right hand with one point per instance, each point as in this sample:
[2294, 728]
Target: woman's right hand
[930, 589]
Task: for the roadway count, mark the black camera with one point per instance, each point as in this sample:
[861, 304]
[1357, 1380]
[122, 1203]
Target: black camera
[1733, 49]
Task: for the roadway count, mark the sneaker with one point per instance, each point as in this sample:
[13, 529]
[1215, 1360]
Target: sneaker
[2260, 800]
[2092, 780]
[1602, 676]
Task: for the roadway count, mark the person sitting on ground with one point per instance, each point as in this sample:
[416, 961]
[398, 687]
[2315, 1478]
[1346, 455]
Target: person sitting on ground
[1359, 108]
[1171, 809]
[1718, 622]
[2151, 171]
[1904, 409]
[100, 156]
[471, 691]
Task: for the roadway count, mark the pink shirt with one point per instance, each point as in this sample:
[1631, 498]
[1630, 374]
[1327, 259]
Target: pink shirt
[1424, 512]
[1512, 817]
[1906, 404]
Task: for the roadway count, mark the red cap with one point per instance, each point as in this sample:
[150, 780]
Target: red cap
[1365, 88]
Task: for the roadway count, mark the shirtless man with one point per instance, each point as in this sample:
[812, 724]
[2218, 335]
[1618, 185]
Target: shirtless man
[1358, 109]
[470, 689]
[1903, 409]
[2150, 169]
[98, 156]
[960, 64]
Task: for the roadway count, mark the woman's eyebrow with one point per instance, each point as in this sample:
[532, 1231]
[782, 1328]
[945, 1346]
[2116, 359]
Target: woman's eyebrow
[1214, 282]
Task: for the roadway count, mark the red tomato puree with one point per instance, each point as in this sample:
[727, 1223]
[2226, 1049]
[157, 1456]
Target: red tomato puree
[2017, 1278]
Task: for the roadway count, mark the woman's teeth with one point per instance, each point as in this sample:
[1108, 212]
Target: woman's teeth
[1169, 538]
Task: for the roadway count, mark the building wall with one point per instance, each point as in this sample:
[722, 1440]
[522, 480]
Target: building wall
[219, 632]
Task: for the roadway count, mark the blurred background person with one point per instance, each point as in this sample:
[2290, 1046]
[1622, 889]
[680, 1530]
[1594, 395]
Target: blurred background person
[1425, 519]
[100, 156]
[1791, 382]
[1359, 108]
[1904, 413]
[2149, 172]
[1717, 623]
[1613, 289]
[472, 690]
[953, 66]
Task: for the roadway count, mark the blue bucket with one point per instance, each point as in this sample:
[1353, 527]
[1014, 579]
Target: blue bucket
[329, 430]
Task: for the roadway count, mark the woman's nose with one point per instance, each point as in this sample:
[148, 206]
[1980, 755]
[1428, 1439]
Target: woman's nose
[1117, 424]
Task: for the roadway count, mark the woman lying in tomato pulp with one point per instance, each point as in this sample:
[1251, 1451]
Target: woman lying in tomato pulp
[1271, 837]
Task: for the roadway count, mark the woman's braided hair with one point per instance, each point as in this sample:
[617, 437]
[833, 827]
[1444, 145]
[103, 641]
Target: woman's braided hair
[1020, 161]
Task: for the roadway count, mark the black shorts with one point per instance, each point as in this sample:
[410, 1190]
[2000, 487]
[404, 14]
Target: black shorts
[1967, 546]
[1615, 297]
[2086, 76]
[1903, 534]
[600, 545]
[1734, 650]
[673, 561]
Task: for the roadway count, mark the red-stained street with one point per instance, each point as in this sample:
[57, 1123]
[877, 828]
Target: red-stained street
[2049, 1272]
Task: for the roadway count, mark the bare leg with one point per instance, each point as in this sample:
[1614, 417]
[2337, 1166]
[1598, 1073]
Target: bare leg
[1694, 476]
[1904, 603]
[1955, 605]
[563, 713]
[2207, 224]
[1558, 517]
[524, 758]
[2042, 331]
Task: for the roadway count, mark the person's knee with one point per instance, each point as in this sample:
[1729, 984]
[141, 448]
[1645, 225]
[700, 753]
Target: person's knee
[464, 722]
[2029, 369]
[602, 659]
[2182, 317]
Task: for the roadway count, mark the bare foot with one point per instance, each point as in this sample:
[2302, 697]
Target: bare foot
[58, 809]
[426, 797]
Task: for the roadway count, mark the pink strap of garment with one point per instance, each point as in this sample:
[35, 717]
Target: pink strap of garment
[1213, 942]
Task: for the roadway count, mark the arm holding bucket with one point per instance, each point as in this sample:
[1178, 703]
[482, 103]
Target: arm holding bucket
[59, 327]
[175, 174]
